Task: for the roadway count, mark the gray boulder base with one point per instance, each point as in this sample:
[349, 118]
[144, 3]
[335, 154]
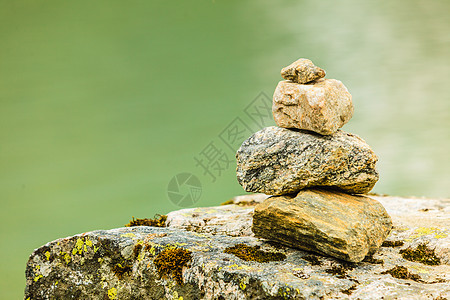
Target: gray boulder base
[279, 161]
[86, 266]
[340, 225]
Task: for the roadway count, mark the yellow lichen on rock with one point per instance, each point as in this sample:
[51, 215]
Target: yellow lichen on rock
[66, 257]
[88, 242]
[424, 231]
[78, 247]
[129, 234]
[112, 293]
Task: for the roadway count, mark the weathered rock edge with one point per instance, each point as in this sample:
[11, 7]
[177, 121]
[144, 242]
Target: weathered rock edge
[340, 225]
[58, 270]
[279, 161]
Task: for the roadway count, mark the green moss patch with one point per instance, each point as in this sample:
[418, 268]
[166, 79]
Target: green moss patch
[340, 271]
[248, 253]
[171, 262]
[401, 272]
[157, 221]
[228, 202]
[312, 259]
[137, 250]
[241, 203]
[421, 254]
[392, 244]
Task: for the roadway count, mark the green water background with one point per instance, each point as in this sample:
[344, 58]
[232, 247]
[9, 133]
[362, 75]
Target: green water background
[103, 102]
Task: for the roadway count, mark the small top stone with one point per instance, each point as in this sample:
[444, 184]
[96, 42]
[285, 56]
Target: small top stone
[302, 71]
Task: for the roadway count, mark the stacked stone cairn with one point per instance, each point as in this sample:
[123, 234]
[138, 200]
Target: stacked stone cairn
[315, 172]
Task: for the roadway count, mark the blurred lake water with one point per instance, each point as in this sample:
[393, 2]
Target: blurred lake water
[102, 103]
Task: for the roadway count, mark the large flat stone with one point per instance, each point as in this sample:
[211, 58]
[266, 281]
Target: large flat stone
[337, 224]
[322, 106]
[278, 161]
[56, 271]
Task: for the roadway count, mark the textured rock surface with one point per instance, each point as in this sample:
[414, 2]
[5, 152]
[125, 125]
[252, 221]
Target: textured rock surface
[278, 161]
[322, 106]
[340, 225]
[420, 221]
[302, 71]
[86, 266]
[231, 221]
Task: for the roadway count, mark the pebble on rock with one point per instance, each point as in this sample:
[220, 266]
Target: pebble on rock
[340, 225]
[279, 161]
[302, 71]
[323, 106]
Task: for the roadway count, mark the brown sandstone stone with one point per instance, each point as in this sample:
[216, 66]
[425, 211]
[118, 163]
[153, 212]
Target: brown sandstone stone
[340, 225]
